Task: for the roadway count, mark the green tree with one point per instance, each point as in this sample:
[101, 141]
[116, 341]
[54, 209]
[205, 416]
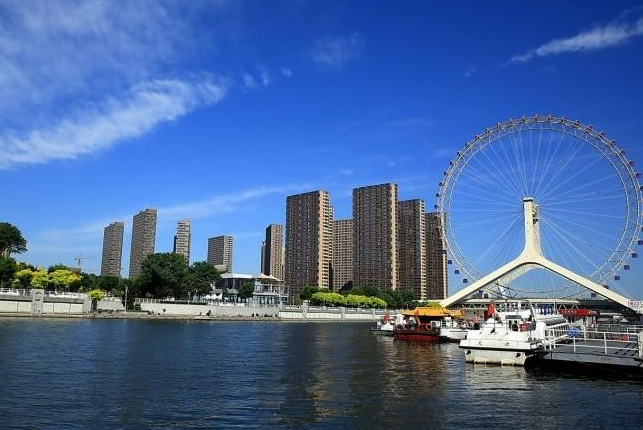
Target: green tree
[11, 239]
[64, 279]
[246, 290]
[58, 266]
[128, 286]
[7, 270]
[40, 279]
[22, 278]
[108, 283]
[307, 292]
[201, 276]
[164, 275]
[96, 295]
[88, 281]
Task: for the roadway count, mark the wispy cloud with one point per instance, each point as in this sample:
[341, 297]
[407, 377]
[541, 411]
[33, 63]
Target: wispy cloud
[613, 34]
[335, 52]
[470, 70]
[145, 106]
[286, 72]
[88, 236]
[77, 76]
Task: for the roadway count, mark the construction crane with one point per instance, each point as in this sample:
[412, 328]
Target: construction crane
[79, 259]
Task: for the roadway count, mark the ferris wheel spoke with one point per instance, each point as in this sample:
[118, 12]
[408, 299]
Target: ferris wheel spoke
[546, 162]
[485, 199]
[585, 213]
[514, 147]
[535, 169]
[504, 194]
[570, 198]
[550, 161]
[569, 178]
[499, 171]
[585, 224]
[574, 247]
[492, 245]
[558, 172]
[589, 199]
[571, 245]
[487, 221]
[516, 183]
[505, 169]
[580, 187]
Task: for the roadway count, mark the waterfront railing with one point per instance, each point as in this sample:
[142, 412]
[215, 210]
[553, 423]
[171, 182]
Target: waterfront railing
[592, 341]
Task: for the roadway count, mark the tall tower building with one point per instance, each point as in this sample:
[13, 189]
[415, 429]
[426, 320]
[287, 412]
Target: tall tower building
[263, 257]
[220, 252]
[273, 262]
[437, 286]
[143, 239]
[309, 225]
[112, 249]
[375, 236]
[411, 248]
[182, 239]
[342, 253]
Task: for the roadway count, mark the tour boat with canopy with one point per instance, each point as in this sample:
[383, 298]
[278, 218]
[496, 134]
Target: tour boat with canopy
[426, 324]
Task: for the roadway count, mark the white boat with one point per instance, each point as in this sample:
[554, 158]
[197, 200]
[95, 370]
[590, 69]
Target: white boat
[512, 336]
[386, 325]
[453, 330]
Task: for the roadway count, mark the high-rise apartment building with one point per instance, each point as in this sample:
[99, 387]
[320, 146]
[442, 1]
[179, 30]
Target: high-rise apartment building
[342, 253]
[375, 236]
[220, 252]
[143, 240]
[411, 248]
[273, 262]
[437, 286]
[309, 229]
[182, 239]
[112, 249]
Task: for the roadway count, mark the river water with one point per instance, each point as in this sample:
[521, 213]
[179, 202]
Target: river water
[142, 374]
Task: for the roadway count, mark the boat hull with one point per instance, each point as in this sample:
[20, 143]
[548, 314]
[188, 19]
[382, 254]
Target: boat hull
[377, 332]
[417, 335]
[503, 357]
[453, 334]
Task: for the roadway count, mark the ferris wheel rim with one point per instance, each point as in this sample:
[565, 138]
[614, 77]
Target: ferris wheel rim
[623, 168]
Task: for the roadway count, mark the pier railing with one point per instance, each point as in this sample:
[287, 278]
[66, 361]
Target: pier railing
[593, 341]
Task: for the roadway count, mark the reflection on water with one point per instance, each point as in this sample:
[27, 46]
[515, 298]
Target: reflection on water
[161, 374]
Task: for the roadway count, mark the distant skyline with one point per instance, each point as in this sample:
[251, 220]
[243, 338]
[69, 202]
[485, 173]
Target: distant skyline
[216, 111]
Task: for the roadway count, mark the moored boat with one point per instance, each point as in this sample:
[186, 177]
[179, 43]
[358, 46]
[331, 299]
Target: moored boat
[512, 336]
[423, 324]
[386, 325]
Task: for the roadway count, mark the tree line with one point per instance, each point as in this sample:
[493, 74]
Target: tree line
[362, 296]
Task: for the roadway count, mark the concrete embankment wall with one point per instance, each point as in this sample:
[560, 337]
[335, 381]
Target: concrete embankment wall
[340, 314]
[23, 304]
[202, 310]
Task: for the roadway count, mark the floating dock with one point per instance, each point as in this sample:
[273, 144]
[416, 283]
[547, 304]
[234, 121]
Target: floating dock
[614, 351]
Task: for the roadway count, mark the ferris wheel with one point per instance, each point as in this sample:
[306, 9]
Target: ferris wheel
[586, 191]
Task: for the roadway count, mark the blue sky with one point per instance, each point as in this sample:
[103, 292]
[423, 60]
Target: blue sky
[216, 110]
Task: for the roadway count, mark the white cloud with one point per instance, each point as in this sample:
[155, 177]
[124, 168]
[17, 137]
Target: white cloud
[145, 106]
[286, 73]
[249, 81]
[77, 76]
[590, 40]
[335, 52]
[87, 237]
[470, 70]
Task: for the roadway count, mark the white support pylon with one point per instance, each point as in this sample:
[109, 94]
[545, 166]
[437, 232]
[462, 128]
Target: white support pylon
[530, 258]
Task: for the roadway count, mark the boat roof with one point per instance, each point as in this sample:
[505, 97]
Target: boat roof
[424, 311]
